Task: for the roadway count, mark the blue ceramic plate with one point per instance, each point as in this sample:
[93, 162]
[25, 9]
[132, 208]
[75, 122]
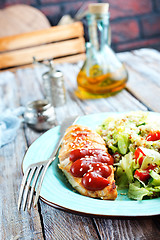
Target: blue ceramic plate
[57, 192]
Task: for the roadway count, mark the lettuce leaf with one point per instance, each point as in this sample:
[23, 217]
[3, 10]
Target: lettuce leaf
[152, 157]
[127, 165]
[138, 193]
[121, 179]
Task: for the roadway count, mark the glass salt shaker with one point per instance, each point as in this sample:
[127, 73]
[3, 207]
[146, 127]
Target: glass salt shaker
[54, 86]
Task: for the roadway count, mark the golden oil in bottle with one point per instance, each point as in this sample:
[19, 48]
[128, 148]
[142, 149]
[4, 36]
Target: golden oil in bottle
[102, 73]
[100, 86]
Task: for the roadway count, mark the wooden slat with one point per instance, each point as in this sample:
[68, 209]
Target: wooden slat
[150, 55]
[71, 59]
[151, 60]
[147, 92]
[145, 228]
[53, 50]
[14, 224]
[51, 34]
[143, 80]
[148, 69]
[61, 225]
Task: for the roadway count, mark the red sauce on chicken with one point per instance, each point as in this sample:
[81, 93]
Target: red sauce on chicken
[92, 165]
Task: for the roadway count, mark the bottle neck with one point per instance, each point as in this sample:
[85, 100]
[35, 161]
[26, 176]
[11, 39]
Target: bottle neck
[98, 30]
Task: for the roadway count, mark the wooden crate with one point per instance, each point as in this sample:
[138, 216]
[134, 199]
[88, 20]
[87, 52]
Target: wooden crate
[63, 43]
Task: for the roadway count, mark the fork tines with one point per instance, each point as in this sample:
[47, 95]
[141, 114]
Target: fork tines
[29, 183]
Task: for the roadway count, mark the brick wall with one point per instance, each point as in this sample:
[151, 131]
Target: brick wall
[134, 23]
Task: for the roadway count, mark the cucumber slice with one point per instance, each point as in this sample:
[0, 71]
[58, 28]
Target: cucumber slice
[123, 143]
[156, 178]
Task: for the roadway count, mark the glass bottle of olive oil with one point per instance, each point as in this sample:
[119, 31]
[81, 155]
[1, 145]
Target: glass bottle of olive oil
[102, 73]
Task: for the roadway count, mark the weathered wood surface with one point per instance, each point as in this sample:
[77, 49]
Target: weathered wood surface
[144, 70]
[14, 224]
[142, 93]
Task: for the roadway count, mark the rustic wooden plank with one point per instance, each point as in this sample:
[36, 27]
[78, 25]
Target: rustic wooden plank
[48, 51]
[32, 91]
[148, 69]
[143, 85]
[151, 59]
[14, 224]
[142, 228]
[52, 34]
[71, 59]
[150, 55]
[146, 91]
[62, 225]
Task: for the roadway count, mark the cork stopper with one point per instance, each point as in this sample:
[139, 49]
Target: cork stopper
[98, 8]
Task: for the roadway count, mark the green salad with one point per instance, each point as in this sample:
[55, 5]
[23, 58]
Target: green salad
[133, 139]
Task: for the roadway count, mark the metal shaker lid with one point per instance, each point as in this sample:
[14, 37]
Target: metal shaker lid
[53, 72]
[54, 86]
[57, 74]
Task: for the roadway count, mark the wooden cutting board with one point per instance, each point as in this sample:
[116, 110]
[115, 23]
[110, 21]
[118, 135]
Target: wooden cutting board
[21, 18]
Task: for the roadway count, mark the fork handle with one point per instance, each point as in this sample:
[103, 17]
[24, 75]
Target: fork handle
[63, 128]
[58, 144]
[50, 160]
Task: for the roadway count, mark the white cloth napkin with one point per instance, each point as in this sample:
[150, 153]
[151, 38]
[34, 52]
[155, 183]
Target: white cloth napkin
[9, 118]
[9, 123]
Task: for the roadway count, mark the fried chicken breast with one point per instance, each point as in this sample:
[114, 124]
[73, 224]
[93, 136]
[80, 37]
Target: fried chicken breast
[88, 166]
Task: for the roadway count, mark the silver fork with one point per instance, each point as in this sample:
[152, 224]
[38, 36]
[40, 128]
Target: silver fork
[38, 170]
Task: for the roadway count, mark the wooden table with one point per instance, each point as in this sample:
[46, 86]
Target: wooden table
[45, 222]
